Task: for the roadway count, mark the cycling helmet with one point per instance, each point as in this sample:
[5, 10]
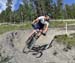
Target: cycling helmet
[50, 15]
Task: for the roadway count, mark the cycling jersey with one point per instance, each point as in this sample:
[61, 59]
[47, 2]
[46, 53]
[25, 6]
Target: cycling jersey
[41, 23]
[42, 20]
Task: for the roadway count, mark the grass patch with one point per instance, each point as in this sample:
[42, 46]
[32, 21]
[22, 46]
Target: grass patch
[57, 24]
[6, 28]
[60, 23]
[66, 39]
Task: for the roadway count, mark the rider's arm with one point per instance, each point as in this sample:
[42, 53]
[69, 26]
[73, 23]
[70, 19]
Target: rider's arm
[39, 18]
[35, 21]
[46, 27]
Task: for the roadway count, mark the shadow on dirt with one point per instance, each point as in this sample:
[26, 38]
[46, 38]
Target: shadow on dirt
[38, 50]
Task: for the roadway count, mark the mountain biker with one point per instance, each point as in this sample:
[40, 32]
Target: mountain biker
[41, 23]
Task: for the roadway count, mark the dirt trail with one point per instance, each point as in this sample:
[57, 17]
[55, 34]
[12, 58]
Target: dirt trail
[13, 42]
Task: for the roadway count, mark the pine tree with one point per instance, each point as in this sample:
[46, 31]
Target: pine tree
[59, 9]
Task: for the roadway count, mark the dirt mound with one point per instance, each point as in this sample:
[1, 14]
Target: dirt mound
[12, 44]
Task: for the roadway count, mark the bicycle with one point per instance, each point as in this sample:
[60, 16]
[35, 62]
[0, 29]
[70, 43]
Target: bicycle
[30, 42]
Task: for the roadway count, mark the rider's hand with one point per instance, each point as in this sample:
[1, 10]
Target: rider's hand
[44, 33]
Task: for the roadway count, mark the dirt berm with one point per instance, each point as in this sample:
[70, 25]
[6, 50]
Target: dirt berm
[13, 42]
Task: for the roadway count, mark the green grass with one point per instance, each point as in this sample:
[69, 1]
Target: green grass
[6, 28]
[60, 23]
[57, 24]
[66, 39]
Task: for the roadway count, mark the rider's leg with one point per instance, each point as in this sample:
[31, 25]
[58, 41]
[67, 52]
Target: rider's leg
[39, 34]
[30, 47]
[32, 33]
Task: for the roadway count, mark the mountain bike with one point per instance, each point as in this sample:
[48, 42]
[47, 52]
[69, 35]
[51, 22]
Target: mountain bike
[30, 42]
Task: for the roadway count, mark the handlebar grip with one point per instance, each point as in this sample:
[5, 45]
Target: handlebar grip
[44, 34]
